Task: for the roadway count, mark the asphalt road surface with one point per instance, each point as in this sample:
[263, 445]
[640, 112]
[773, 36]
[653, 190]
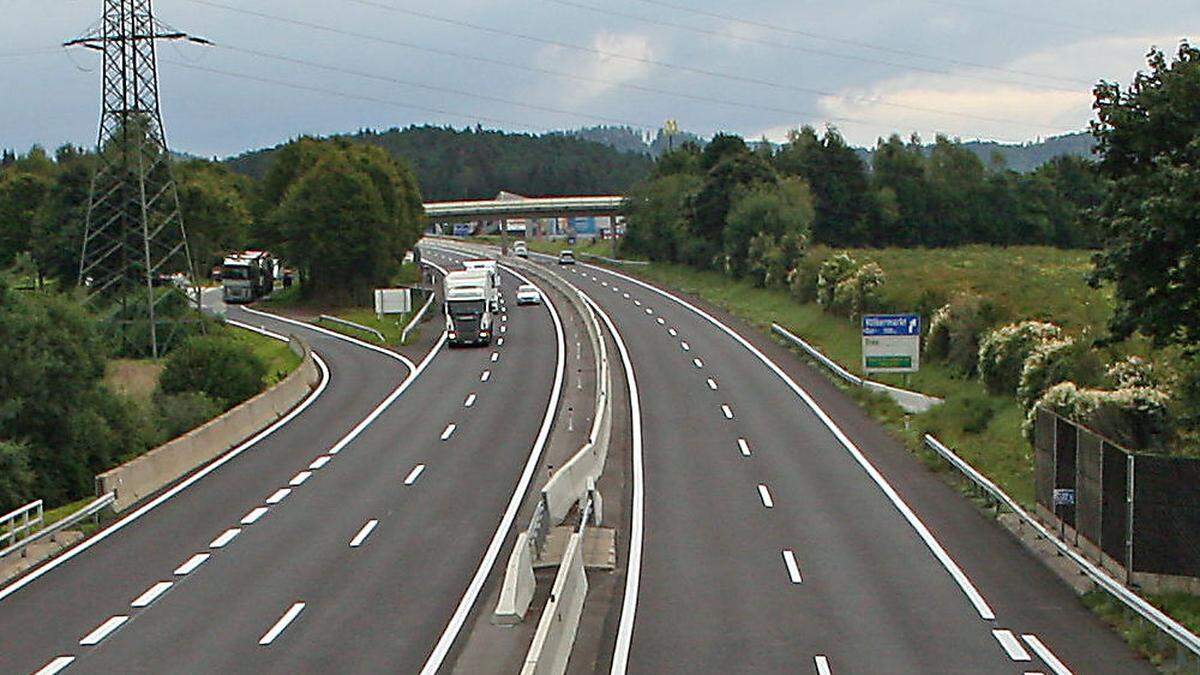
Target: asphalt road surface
[787, 537]
[294, 558]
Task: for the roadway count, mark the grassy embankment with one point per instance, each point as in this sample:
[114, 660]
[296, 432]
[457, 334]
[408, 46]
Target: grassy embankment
[391, 325]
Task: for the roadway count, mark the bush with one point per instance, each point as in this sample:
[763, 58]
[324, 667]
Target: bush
[1131, 371]
[16, 476]
[771, 259]
[1057, 361]
[954, 332]
[974, 412]
[859, 292]
[804, 278]
[1186, 389]
[214, 365]
[180, 413]
[1002, 353]
[1137, 418]
[834, 270]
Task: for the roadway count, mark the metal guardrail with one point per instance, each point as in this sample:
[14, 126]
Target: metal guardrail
[96, 506]
[614, 261]
[1188, 643]
[351, 324]
[10, 529]
[417, 318]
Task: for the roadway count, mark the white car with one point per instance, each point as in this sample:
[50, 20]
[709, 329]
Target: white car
[528, 294]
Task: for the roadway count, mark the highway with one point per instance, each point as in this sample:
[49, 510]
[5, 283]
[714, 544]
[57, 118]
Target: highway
[784, 531]
[341, 542]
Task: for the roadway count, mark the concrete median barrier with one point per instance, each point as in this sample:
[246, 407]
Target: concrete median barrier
[555, 636]
[141, 477]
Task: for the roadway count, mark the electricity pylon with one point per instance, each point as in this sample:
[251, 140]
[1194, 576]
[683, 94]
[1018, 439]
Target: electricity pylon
[134, 236]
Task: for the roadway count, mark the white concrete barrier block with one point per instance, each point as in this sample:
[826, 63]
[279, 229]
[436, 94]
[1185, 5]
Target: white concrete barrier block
[519, 585]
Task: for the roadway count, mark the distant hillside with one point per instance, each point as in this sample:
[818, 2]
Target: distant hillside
[478, 163]
[1027, 156]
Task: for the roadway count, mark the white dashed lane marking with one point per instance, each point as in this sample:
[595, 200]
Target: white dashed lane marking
[765, 495]
[363, 533]
[414, 474]
[280, 625]
[744, 447]
[191, 564]
[278, 496]
[225, 537]
[793, 569]
[151, 594]
[104, 630]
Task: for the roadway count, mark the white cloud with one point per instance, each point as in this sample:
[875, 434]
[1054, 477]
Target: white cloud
[1028, 108]
[602, 72]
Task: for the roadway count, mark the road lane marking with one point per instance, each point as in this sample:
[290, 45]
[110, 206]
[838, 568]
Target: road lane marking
[503, 329]
[253, 516]
[56, 666]
[744, 447]
[638, 303]
[470, 400]
[727, 411]
[765, 495]
[614, 289]
[495, 355]
[603, 283]
[1011, 645]
[191, 564]
[1046, 655]
[935, 548]
[278, 496]
[698, 363]
[225, 537]
[686, 347]
[363, 533]
[299, 478]
[103, 630]
[485, 376]
[288, 617]
[320, 462]
[151, 594]
[661, 321]
[449, 430]
[673, 332]
[625, 295]
[822, 664]
[712, 384]
[412, 475]
[793, 570]
[499, 342]
[649, 311]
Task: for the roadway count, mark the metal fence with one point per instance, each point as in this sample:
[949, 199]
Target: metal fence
[1186, 644]
[91, 510]
[17, 524]
[1142, 511]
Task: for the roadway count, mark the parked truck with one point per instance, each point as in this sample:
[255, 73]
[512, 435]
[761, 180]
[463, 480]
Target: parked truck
[470, 296]
[248, 276]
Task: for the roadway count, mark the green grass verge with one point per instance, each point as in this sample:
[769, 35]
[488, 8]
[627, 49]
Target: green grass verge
[278, 356]
[1140, 634]
[391, 325]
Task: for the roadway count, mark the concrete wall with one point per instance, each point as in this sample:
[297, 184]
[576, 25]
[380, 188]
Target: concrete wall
[158, 468]
[555, 636]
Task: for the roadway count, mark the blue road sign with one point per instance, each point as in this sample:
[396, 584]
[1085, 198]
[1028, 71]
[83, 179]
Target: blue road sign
[891, 324]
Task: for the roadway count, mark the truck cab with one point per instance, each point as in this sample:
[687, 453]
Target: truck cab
[248, 276]
[468, 295]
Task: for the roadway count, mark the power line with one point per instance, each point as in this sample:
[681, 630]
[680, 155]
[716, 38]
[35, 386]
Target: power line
[673, 66]
[857, 43]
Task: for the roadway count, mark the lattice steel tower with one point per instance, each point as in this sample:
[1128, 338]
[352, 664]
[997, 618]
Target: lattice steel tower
[134, 234]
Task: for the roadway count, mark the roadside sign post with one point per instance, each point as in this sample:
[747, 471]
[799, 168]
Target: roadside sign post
[891, 343]
[392, 301]
[1064, 497]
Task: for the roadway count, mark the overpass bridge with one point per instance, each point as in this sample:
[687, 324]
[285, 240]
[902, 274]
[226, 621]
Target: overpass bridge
[508, 206]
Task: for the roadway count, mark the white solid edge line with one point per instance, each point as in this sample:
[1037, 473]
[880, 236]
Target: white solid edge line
[822, 664]
[151, 594]
[765, 495]
[1046, 655]
[744, 447]
[299, 478]
[191, 564]
[454, 626]
[188, 482]
[288, 617]
[363, 533]
[793, 569]
[225, 537]
[449, 430]
[964, 583]
[279, 495]
[319, 462]
[104, 630]
[254, 515]
[414, 474]
[1011, 645]
[470, 401]
[56, 665]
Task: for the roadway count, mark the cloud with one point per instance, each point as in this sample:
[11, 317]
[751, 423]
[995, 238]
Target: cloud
[1024, 109]
[603, 73]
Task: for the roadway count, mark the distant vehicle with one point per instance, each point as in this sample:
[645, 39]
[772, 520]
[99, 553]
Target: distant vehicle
[247, 276]
[215, 274]
[528, 294]
[520, 250]
[566, 257]
[468, 294]
[487, 264]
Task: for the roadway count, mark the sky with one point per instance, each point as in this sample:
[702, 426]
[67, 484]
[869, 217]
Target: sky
[1011, 70]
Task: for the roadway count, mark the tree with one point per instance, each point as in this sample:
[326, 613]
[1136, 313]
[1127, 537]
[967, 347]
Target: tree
[21, 195]
[838, 179]
[216, 210]
[779, 211]
[737, 171]
[216, 366]
[656, 220]
[1149, 142]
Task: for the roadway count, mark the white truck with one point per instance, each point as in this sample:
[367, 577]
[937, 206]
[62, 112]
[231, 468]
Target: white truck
[489, 265]
[470, 298]
[248, 276]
